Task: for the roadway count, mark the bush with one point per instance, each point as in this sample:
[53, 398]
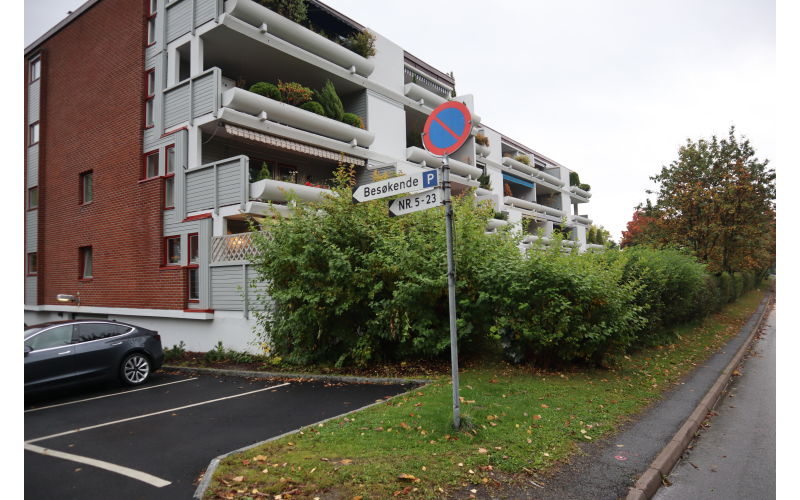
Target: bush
[523, 159]
[331, 104]
[314, 107]
[266, 89]
[585, 187]
[738, 285]
[362, 43]
[481, 139]
[293, 93]
[174, 352]
[353, 119]
[574, 179]
[725, 285]
[296, 10]
[216, 354]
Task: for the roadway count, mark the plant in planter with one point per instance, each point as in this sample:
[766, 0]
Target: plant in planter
[293, 93]
[264, 173]
[574, 179]
[329, 100]
[485, 181]
[361, 42]
[501, 215]
[585, 187]
[507, 190]
[523, 159]
[296, 10]
[481, 139]
[266, 89]
[353, 119]
[314, 107]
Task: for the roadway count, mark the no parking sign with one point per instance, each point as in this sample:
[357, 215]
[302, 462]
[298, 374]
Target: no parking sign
[447, 127]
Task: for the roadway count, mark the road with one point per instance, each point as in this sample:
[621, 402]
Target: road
[734, 457]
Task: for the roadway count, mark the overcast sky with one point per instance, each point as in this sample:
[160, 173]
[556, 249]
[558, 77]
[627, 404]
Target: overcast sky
[609, 89]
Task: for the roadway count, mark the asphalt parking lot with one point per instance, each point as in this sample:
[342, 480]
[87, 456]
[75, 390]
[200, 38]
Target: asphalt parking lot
[155, 441]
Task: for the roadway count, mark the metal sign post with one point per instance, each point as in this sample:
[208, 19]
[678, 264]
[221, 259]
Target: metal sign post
[451, 288]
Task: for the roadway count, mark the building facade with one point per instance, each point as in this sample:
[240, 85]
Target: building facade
[146, 153]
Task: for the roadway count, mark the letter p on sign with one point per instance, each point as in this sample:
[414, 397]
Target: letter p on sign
[430, 179]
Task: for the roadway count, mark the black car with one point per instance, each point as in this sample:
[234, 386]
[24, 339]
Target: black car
[67, 352]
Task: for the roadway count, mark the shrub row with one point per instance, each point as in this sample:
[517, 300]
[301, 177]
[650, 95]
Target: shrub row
[327, 102]
[355, 286]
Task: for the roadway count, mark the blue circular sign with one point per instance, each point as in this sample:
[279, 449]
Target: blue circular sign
[447, 128]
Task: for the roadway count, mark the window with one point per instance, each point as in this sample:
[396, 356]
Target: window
[153, 7]
[35, 71]
[54, 337]
[151, 165]
[86, 262]
[33, 198]
[192, 273]
[169, 182]
[86, 332]
[173, 251]
[33, 263]
[33, 134]
[150, 83]
[87, 194]
[183, 56]
[151, 22]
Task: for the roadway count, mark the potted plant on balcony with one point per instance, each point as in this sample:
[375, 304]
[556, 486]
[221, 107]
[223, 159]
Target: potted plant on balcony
[481, 139]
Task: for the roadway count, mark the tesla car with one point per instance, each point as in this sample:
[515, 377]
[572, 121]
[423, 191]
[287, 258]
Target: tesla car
[68, 352]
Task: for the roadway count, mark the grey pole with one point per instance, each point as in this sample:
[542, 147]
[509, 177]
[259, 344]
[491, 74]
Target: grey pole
[451, 288]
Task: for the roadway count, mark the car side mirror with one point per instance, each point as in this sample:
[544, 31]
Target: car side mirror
[27, 349]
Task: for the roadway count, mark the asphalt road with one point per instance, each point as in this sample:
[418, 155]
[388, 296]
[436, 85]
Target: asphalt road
[734, 457]
[166, 432]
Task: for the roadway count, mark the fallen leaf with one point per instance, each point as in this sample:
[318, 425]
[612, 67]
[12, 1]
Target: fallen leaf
[407, 477]
[537, 417]
[245, 462]
[483, 450]
[259, 458]
[345, 461]
[405, 425]
[239, 479]
[545, 406]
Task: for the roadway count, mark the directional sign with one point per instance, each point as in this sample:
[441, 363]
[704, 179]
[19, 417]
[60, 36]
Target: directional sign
[447, 128]
[396, 185]
[416, 202]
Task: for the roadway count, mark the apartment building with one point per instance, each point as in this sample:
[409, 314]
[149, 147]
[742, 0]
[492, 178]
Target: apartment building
[145, 155]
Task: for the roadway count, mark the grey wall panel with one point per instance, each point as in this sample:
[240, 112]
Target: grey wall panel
[205, 10]
[256, 290]
[204, 94]
[179, 19]
[227, 291]
[151, 139]
[199, 190]
[33, 166]
[176, 106]
[31, 230]
[33, 101]
[30, 290]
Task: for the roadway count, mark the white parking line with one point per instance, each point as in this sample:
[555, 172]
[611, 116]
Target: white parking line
[81, 429]
[125, 471]
[109, 395]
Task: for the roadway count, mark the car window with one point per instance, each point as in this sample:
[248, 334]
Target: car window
[54, 337]
[86, 332]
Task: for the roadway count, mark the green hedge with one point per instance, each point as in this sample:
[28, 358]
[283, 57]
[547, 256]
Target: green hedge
[347, 284]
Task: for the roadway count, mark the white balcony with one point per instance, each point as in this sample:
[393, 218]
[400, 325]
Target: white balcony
[232, 247]
[546, 240]
[534, 207]
[482, 151]
[270, 22]
[272, 190]
[419, 155]
[594, 247]
[532, 171]
[582, 219]
[576, 191]
[268, 109]
[494, 224]
[423, 95]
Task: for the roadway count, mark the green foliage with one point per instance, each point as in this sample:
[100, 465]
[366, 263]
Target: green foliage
[314, 107]
[216, 354]
[329, 99]
[501, 215]
[362, 43]
[264, 173]
[481, 139]
[296, 10]
[266, 89]
[294, 93]
[523, 159]
[585, 187]
[485, 181]
[353, 119]
[574, 179]
[174, 352]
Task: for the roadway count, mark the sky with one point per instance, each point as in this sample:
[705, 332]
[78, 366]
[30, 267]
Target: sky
[608, 89]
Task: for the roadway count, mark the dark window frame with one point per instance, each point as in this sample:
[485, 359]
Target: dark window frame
[31, 270]
[167, 241]
[83, 252]
[31, 205]
[169, 177]
[150, 99]
[35, 69]
[192, 273]
[145, 164]
[31, 128]
[83, 176]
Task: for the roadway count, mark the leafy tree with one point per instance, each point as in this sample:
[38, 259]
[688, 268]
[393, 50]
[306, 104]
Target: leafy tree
[718, 201]
[639, 229]
[330, 101]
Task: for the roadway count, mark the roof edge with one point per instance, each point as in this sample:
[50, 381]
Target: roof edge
[61, 24]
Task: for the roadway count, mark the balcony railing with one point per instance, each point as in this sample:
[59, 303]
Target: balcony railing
[274, 190]
[534, 207]
[579, 194]
[418, 155]
[582, 219]
[532, 171]
[232, 247]
[275, 24]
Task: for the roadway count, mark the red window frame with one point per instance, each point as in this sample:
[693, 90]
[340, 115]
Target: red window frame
[150, 98]
[192, 269]
[34, 126]
[147, 157]
[150, 26]
[82, 253]
[31, 270]
[169, 176]
[167, 241]
[31, 190]
[34, 69]
[82, 189]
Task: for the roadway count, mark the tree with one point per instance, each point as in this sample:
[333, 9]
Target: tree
[718, 201]
[640, 228]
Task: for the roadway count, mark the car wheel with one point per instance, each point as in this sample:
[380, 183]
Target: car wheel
[135, 369]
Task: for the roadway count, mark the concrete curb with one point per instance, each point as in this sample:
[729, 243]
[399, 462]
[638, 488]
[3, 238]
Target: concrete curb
[212, 466]
[305, 376]
[650, 481]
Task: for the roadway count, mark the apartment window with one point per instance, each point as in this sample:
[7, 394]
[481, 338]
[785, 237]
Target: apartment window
[169, 182]
[151, 23]
[192, 272]
[151, 165]
[87, 192]
[33, 263]
[33, 134]
[85, 262]
[183, 55]
[153, 7]
[150, 82]
[35, 70]
[33, 198]
[173, 251]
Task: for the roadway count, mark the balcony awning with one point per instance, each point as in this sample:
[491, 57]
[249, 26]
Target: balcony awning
[293, 146]
[517, 180]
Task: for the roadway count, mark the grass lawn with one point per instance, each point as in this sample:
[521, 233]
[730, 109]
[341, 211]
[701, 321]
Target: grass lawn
[519, 421]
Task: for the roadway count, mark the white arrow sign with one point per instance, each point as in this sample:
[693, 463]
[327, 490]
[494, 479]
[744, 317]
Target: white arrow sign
[396, 185]
[416, 202]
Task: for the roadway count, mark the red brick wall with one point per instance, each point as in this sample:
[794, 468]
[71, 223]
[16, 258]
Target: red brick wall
[92, 118]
